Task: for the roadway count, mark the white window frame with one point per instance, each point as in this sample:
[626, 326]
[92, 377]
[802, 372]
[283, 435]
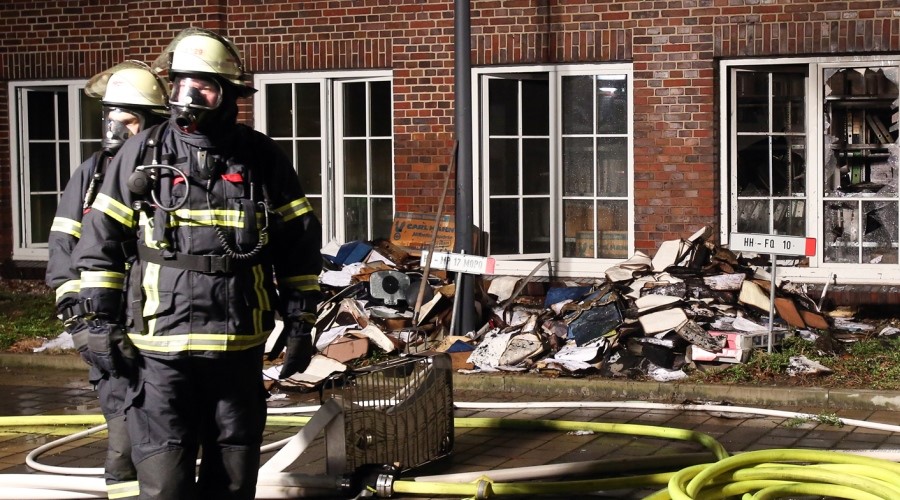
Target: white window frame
[561, 266]
[817, 270]
[331, 162]
[23, 248]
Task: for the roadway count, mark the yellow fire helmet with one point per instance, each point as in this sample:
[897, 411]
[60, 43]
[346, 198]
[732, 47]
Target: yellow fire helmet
[129, 84]
[201, 51]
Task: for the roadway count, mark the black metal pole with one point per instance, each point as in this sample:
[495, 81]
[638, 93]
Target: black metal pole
[464, 188]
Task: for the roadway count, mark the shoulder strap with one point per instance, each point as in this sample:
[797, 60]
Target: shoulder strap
[98, 170]
[151, 152]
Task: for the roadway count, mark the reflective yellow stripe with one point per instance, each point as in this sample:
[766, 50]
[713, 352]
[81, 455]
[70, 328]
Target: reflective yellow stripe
[303, 282]
[218, 217]
[294, 209]
[261, 296]
[115, 209]
[197, 342]
[147, 224]
[67, 226]
[123, 490]
[71, 286]
[102, 279]
[150, 284]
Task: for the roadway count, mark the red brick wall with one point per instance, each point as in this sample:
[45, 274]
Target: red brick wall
[673, 45]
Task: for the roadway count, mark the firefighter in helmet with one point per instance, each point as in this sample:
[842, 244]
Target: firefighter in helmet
[223, 236]
[133, 98]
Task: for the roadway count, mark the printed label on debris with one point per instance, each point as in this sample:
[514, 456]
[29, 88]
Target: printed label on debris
[413, 230]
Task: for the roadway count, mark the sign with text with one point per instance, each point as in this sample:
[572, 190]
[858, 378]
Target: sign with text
[460, 263]
[414, 230]
[773, 244]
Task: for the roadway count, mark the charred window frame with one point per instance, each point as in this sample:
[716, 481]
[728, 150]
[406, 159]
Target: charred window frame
[54, 127]
[810, 149]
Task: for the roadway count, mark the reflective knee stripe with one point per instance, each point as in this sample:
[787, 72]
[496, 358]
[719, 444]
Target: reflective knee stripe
[102, 279]
[123, 490]
[71, 286]
[150, 284]
[294, 209]
[189, 342]
[303, 282]
[115, 209]
[68, 226]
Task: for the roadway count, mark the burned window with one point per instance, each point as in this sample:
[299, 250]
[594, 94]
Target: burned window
[860, 164]
[770, 150]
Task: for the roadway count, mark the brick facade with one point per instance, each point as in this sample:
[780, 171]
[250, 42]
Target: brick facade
[673, 46]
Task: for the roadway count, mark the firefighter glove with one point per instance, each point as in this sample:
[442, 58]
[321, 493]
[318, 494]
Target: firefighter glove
[110, 349]
[297, 343]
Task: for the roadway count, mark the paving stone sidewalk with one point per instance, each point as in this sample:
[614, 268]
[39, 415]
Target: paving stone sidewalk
[37, 391]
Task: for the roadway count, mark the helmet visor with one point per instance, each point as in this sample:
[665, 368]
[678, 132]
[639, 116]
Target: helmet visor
[196, 92]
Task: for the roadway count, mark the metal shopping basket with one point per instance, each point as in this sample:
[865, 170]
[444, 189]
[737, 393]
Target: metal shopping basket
[397, 413]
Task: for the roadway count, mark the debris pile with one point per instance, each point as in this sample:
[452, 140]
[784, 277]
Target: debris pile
[694, 302]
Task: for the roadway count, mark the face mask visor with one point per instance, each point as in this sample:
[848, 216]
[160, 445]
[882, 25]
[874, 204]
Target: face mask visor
[119, 125]
[193, 92]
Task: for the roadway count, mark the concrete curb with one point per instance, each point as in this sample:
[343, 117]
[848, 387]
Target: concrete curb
[596, 388]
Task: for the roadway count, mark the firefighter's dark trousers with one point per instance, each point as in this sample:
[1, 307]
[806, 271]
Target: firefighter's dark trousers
[186, 404]
[119, 471]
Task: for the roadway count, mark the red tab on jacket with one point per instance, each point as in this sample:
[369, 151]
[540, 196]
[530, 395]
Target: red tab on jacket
[236, 177]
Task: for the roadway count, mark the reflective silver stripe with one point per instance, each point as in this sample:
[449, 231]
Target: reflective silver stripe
[123, 490]
[71, 286]
[115, 209]
[144, 222]
[294, 209]
[67, 226]
[150, 284]
[102, 279]
[218, 217]
[303, 282]
[197, 342]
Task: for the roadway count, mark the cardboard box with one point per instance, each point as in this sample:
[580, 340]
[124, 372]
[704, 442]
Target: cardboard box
[613, 244]
[347, 348]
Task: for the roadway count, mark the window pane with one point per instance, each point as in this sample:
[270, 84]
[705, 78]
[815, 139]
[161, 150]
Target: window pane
[42, 165]
[355, 109]
[43, 208]
[577, 104]
[536, 166]
[503, 107]
[278, 110]
[63, 120]
[504, 166]
[382, 176]
[578, 166]
[535, 107]
[356, 219]
[879, 232]
[841, 231]
[788, 166]
[309, 113]
[355, 173]
[505, 226]
[536, 233]
[89, 148]
[790, 217]
[753, 165]
[612, 103]
[789, 102]
[381, 108]
[612, 215]
[309, 166]
[578, 231]
[753, 216]
[382, 217]
[612, 166]
[64, 166]
[41, 114]
[91, 118]
[752, 101]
